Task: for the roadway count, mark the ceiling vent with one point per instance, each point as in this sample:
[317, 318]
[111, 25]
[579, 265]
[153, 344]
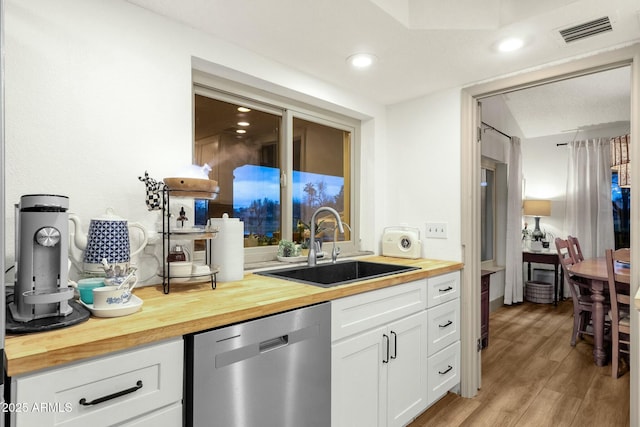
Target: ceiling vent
[586, 29]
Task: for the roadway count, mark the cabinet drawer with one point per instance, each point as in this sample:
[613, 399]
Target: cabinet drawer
[358, 313]
[443, 326]
[171, 416]
[151, 376]
[443, 372]
[443, 288]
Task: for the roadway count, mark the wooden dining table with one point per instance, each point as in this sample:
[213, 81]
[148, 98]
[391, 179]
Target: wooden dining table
[595, 271]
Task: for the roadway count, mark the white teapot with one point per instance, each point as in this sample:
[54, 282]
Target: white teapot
[108, 238]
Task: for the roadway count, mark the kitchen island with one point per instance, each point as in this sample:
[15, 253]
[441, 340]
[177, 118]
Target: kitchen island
[191, 308]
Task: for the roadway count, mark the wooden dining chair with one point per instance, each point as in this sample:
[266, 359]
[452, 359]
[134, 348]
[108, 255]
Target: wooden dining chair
[622, 255]
[619, 313]
[580, 292]
[575, 249]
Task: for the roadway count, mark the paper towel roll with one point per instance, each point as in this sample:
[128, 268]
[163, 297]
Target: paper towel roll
[227, 249]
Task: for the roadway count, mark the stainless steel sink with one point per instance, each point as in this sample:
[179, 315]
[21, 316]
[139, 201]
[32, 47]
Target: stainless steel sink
[340, 273]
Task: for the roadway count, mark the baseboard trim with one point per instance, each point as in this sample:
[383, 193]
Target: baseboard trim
[496, 304]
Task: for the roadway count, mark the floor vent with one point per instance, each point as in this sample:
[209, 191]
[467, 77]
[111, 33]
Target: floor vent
[586, 29]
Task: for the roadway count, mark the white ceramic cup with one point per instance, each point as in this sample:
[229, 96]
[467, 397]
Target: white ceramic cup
[110, 297]
[180, 271]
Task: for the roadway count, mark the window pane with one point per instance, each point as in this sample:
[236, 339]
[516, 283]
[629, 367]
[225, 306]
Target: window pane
[321, 177]
[621, 199]
[242, 149]
[487, 194]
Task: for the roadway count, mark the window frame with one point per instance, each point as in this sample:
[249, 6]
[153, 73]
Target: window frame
[490, 165]
[221, 89]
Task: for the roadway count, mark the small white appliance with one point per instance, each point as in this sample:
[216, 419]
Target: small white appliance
[401, 242]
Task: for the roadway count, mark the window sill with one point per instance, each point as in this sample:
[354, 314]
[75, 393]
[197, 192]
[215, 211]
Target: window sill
[489, 266]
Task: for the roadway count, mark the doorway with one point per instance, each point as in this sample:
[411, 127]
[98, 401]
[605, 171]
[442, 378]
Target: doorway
[470, 164]
[546, 118]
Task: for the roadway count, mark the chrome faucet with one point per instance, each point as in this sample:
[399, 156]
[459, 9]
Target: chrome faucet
[336, 249]
[311, 260]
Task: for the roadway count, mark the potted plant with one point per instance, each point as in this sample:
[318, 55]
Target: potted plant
[287, 249]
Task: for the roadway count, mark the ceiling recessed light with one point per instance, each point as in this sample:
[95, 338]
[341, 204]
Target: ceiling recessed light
[243, 123]
[241, 131]
[244, 109]
[510, 44]
[361, 60]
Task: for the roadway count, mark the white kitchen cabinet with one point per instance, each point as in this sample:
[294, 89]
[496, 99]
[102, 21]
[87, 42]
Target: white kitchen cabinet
[138, 387]
[358, 380]
[379, 372]
[444, 326]
[443, 343]
[395, 351]
[364, 311]
[170, 416]
[443, 288]
[407, 369]
[443, 371]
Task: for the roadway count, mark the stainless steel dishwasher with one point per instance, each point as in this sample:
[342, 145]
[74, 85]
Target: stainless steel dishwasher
[269, 372]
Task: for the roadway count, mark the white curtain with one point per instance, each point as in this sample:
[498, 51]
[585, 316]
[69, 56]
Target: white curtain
[589, 214]
[514, 288]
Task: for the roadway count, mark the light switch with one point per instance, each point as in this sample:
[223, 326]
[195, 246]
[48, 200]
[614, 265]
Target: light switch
[436, 230]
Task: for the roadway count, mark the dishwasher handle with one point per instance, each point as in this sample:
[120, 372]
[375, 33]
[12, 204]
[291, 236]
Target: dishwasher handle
[273, 343]
[257, 348]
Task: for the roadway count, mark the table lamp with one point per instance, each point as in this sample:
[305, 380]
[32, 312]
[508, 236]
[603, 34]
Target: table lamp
[536, 209]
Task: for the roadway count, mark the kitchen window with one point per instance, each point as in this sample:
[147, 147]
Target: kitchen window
[275, 166]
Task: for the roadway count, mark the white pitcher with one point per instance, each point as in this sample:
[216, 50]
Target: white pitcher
[108, 238]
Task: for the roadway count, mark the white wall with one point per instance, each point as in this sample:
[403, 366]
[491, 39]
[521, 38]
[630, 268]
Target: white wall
[98, 91]
[423, 160]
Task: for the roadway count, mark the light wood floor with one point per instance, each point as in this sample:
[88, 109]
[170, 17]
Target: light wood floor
[531, 376]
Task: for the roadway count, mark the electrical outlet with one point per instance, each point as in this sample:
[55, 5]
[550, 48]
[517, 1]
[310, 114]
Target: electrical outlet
[436, 230]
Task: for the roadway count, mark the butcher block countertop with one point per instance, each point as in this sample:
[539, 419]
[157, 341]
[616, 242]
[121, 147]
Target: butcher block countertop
[190, 308]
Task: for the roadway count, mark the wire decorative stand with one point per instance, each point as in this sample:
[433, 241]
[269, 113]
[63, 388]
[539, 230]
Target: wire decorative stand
[194, 234]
